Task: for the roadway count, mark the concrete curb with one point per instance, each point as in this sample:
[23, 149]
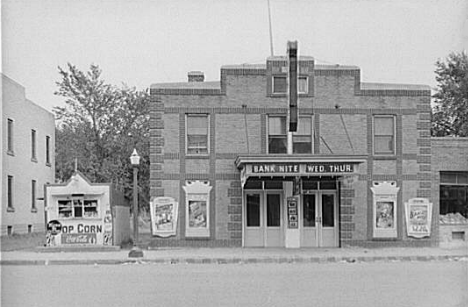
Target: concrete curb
[236, 260]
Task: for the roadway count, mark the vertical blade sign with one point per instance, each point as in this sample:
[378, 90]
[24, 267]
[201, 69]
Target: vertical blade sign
[292, 61]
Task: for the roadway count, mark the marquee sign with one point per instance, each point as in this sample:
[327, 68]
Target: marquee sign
[301, 168]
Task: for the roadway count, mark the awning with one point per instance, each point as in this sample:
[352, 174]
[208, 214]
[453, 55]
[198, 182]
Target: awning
[297, 165]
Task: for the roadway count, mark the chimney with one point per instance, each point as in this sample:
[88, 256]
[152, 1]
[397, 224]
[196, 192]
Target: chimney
[196, 76]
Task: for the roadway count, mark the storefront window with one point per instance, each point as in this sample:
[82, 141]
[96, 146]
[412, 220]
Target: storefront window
[453, 198]
[78, 208]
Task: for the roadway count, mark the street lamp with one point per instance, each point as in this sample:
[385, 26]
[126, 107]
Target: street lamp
[135, 161]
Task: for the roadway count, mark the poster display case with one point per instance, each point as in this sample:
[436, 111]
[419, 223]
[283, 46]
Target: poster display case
[384, 209]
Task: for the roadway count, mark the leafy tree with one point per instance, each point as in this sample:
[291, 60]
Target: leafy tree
[450, 113]
[99, 126]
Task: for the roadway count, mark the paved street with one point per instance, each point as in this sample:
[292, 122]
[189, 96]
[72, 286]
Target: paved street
[331, 284]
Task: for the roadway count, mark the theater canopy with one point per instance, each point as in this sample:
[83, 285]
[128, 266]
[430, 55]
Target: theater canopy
[297, 165]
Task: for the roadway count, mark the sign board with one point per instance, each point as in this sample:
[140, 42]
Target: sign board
[164, 212]
[301, 168]
[293, 218]
[418, 217]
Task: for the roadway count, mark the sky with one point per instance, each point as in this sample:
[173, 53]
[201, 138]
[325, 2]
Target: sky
[141, 42]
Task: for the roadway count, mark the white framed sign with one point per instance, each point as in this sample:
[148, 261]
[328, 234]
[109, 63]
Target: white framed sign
[164, 213]
[418, 217]
[384, 209]
[197, 208]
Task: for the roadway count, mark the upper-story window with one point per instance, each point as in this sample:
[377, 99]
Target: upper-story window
[47, 150]
[33, 145]
[10, 194]
[197, 134]
[302, 138]
[278, 139]
[280, 85]
[33, 196]
[277, 136]
[384, 135]
[10, 149]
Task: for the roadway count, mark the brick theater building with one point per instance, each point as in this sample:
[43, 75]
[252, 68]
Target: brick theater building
[360, 157]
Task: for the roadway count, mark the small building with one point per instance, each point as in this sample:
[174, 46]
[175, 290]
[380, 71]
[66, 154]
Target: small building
[358, 171]
[450, 160]
[28, 160]
[86, 214]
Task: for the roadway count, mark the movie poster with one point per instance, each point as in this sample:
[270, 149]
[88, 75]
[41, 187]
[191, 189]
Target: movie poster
[385, 214]
[418, 217]
[164, 216]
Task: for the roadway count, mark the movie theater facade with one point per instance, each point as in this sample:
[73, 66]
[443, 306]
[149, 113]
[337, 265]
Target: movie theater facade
[357, 172]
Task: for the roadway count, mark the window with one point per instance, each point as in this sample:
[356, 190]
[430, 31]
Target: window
[197, 134]
[9, 230]
[384, 132]
[10, 193]
[78, 208]
[453, 197]
[30, 228]
[48, 150]
[33, 145]
[279, 85]
[273, 210]
[277, 137]
[10, 136]
[33, 196]
[302, 85]
[302, 138]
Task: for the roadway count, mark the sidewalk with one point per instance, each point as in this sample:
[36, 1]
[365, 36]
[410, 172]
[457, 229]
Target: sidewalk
[42, 256]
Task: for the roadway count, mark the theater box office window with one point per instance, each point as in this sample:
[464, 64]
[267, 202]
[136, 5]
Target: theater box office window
[82, 213]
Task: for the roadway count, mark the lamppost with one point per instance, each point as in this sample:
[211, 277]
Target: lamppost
[135, 161]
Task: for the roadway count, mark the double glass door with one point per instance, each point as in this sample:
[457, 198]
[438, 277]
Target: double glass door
[319, 220]
[263, 225]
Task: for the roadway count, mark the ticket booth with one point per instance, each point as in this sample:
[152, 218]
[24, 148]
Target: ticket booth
[292, 202]
[81, 213]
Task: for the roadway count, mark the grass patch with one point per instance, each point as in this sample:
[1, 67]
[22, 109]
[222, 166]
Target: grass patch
[22, 241]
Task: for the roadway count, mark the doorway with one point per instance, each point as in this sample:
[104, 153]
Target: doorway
[263, 223]
[319, 221]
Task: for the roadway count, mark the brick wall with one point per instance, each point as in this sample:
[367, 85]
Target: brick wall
[342, 108]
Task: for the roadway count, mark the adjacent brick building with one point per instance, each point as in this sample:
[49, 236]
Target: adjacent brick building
[362, 150]
[28, 160]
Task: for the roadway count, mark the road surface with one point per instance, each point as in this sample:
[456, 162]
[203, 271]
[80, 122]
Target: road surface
[339, 284]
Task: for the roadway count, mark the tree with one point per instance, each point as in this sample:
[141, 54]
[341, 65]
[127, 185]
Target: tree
[99, 126]
[450, 113]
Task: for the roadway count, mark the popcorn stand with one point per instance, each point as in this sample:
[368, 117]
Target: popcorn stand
[81, 213]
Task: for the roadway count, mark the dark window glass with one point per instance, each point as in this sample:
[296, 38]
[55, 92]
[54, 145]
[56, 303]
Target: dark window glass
[279, 84]
[10, 192]
[454, 204]
[273, 210]
[253, 184]
[273, 185]
[78, 208]
[327, 185]
[328, 210]
[384, 142]
[33, 144]
[33, 194]
[309, 185]
[253, 210]
[47, 149]
[10, 135]
[308, 212]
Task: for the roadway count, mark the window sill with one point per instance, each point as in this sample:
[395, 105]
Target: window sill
[11, 153]
[34, 160]
[384, 157]
[10, 209]
[197, 156]
[33, 210]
